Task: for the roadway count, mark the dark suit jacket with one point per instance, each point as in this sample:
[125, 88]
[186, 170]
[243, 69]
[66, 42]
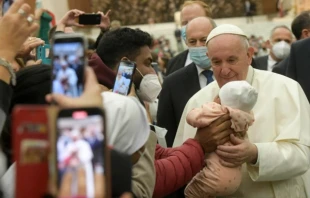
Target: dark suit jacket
[177, 62]
[177, 89]
[261, 62]
[299, 64]
[281, 67]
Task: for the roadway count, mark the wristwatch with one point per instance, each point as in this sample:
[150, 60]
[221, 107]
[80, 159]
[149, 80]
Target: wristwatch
[8, 66]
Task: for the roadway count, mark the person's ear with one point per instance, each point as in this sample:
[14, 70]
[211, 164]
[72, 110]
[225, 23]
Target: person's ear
[117, 65]
[305, 33]
[125, 59]
[250, 54]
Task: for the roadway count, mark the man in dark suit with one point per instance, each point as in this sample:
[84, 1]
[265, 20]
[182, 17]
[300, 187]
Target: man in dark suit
[180, 86]
[299, 64]
[189, 11]
[279, 45]
[301, 30]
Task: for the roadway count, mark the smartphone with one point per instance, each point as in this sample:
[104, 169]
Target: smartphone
[82, 157]
[90, 19]
[30, 138]
[43, 53]
[68, 60]
[124, 77]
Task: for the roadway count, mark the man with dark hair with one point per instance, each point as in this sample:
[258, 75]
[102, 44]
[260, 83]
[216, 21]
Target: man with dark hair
[128, 44]
[279, 44]
[301, 30]
[301, 25]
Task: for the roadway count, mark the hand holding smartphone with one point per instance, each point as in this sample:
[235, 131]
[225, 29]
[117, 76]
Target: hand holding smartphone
[69, 60]
[81, 154]
[124, 77]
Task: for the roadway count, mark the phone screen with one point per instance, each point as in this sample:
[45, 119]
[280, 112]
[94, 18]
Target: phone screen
[80, 155]
[123, 78]
[68, 67]
[90, 19]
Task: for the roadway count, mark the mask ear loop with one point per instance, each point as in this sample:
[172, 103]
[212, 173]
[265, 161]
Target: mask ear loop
[139, 72]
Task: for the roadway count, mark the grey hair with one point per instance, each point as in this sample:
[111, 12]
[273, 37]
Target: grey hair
[245, 42]
[277, 27]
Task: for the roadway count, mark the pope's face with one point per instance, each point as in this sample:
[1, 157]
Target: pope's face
[230, 58]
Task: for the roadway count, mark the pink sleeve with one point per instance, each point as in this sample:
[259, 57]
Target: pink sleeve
[205, 115]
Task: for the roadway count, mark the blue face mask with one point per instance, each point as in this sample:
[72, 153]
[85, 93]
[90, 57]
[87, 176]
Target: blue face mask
[199, 57]
[183, 33]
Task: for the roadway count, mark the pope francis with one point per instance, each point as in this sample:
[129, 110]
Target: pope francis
[275, 154]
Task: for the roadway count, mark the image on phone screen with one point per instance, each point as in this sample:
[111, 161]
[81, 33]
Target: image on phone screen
[123, 78]
[80, 158]
[68, 68]
[6, 4]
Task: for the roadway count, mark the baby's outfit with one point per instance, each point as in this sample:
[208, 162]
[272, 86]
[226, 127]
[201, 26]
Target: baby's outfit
[237, 98]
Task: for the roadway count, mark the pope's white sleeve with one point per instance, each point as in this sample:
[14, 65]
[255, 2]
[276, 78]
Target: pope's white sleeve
[279, 161]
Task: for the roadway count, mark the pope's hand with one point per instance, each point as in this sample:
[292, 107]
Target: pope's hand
[242, 151]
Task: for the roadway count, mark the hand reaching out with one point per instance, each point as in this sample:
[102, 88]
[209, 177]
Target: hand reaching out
[38, 13]
[15, 27]
[105, 21]
[70, 18]
[91, 96]
[217, 133]
[30, 44]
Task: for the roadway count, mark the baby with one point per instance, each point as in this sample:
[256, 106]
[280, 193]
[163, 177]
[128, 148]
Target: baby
[237, 98]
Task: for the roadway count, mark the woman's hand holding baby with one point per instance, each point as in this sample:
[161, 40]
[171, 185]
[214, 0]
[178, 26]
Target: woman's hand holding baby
[217, 133]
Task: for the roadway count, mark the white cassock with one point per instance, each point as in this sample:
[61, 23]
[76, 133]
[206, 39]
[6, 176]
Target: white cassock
[72, 80]
[85, 155]
[121, 85]
[281, 132]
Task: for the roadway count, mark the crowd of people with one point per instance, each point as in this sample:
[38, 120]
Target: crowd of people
[215, 120]
[126, 11]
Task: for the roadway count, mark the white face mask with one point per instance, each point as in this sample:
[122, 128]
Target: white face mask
[281, 50]
[149, 87]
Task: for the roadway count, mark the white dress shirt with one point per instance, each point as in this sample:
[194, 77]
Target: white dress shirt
[201, 77]
[271, 63]
[188, 60]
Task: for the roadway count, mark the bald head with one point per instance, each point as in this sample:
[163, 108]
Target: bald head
[197, 31]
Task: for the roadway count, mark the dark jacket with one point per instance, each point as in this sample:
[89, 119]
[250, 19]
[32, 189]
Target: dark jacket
[261, 63]
[281, 67]
[177, 89]
[176, 62]
[298, 67]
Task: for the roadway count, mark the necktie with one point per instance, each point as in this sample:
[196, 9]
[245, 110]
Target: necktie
[209, 75]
